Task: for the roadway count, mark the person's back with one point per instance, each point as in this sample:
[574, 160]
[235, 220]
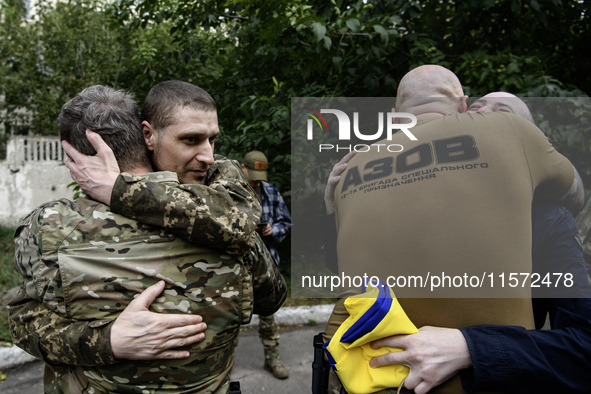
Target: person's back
[464, 189]
[455, 203]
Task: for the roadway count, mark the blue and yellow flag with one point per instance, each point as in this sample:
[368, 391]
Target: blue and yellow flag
[374, 314]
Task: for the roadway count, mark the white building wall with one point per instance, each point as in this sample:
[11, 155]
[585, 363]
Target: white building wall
[31, 175]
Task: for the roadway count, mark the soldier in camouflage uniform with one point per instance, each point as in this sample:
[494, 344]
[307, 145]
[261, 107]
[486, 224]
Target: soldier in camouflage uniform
[83, 264]
[277, 225]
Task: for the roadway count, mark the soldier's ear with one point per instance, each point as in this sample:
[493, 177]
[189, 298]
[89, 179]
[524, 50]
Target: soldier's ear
[149, 135]
[244, 170]
[463, 105]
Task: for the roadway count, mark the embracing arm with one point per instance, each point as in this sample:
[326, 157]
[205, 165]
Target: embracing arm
[136, 334]
[326, 220]
[434, 355]
[556, 180]
[40, 325]
[500, 358]
[513, 359]
[221, 214]
[269, 287]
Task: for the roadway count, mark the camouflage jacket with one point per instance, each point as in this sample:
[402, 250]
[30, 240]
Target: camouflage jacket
[223, 213]
[82, 266]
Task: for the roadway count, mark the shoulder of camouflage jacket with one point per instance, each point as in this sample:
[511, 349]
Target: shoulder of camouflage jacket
[221, 214]
[228, 173]
[225, 168]
[158, 176]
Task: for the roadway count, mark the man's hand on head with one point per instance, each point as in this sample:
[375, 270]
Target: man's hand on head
[95, 175]
[138, 334]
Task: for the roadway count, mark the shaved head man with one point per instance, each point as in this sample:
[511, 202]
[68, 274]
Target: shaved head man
[502, 102]
[457, 201]
[429, 91]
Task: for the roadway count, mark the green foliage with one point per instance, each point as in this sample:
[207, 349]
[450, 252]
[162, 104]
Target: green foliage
[49, 60]
[9, 276]
[254, 55]
[567, 123]
[259, 54]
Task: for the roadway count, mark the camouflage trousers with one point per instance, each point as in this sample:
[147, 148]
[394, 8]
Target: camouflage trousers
[269, 336]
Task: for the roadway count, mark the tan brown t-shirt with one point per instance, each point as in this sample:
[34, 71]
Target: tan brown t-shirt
[456, 204]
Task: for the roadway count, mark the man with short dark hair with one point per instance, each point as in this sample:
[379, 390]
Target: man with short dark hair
[83, 264]
[190, 119]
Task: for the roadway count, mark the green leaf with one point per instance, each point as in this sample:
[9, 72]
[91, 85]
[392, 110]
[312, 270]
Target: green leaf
[327, 43]
[319, 31]
[353, 24]
[338, 63]
[382, 32]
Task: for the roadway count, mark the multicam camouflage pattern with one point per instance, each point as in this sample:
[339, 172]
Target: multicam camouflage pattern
[269, 336]
[221, 215]
[82, 266]
[55, 339]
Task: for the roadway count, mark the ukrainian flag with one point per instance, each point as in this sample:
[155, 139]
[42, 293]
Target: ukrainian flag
[374, 314]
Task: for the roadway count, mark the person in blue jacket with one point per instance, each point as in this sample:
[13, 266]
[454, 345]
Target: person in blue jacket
[274, 227]
[515, 360]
